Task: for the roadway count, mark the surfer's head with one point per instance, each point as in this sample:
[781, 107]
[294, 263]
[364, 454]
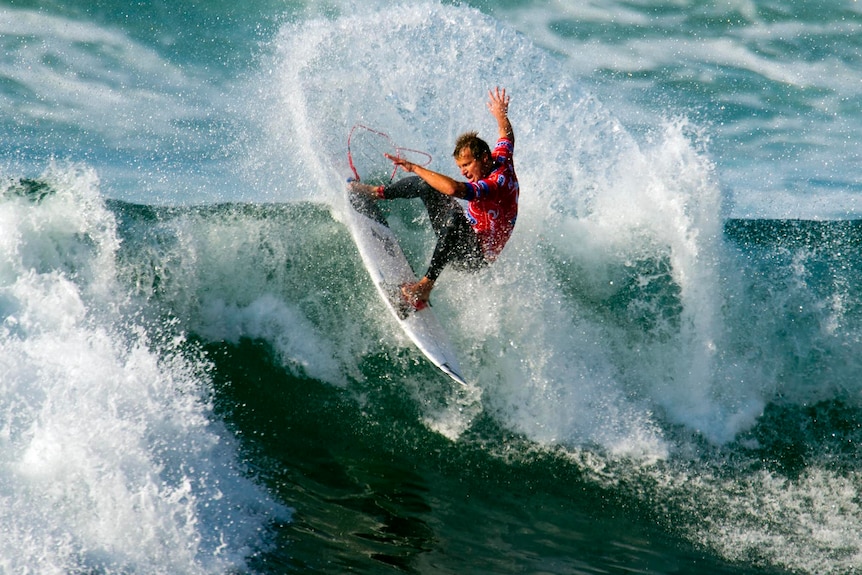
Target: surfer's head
[473, 156]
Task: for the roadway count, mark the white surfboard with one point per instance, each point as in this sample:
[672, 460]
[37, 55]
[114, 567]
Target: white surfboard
[389, 270]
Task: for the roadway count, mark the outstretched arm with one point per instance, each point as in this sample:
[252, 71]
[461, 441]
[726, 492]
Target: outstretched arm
[440, 182]
[498, 104]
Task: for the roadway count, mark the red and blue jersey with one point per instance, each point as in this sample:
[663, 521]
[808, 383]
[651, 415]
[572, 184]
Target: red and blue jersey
[493, 201]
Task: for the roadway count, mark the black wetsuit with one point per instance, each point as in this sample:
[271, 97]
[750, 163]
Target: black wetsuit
[457, 243]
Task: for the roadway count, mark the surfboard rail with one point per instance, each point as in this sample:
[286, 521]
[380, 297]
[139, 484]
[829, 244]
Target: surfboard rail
[389, 270]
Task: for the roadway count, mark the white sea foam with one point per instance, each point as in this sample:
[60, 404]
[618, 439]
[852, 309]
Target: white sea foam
[111, 459]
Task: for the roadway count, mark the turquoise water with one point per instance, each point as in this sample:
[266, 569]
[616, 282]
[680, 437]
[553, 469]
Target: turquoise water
[197, 376]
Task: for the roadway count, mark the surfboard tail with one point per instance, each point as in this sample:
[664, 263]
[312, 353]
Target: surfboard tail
[389, 269]
[445, 368]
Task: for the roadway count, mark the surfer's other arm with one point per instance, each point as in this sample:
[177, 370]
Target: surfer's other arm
[440, 182]
[498, 105]
[473, 163]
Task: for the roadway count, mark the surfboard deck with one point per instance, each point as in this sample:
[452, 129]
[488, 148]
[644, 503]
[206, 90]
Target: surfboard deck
[389, 270]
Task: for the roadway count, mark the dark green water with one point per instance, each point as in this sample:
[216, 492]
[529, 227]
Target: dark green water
[375, 492]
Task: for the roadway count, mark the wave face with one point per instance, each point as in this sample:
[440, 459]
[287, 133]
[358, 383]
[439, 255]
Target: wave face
[197, 376]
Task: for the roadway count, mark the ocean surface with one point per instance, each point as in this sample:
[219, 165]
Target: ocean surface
[664, 366]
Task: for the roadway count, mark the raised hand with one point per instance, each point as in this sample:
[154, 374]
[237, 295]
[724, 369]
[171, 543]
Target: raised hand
[498, 105]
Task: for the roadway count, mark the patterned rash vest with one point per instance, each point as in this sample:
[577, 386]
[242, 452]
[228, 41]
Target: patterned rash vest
[493, 201]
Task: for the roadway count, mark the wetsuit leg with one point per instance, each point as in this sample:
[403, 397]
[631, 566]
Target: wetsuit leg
[456, 241]
[457, 244]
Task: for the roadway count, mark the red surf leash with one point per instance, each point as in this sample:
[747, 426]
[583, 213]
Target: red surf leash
[398, 150]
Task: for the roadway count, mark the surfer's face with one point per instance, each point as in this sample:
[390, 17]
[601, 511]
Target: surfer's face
[472, 168]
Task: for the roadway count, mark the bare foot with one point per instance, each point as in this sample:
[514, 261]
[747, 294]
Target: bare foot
[417, 294]
[363, 189]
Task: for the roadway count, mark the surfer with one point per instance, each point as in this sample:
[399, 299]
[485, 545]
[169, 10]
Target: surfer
[471, 239]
